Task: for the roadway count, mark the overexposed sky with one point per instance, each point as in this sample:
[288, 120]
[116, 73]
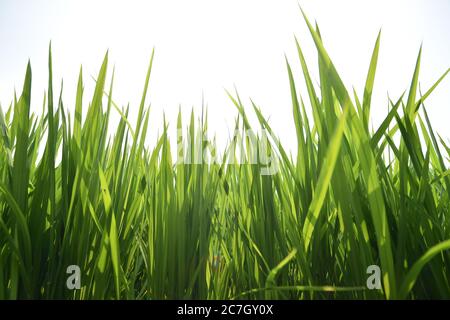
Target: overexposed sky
[205, 46]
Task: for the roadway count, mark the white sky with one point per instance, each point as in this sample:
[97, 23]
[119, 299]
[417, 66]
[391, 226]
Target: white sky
[204, 46]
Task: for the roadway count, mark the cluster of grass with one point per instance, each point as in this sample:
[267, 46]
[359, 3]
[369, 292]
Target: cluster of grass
[143, 226]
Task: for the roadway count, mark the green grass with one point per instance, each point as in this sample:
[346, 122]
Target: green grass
[143, 226]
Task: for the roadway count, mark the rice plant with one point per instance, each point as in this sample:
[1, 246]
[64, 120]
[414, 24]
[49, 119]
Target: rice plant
[142, 225]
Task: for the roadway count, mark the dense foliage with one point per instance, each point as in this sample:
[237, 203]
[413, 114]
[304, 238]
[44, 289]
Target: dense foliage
[143, 226]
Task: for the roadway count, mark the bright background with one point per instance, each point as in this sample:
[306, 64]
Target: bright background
[205, 46]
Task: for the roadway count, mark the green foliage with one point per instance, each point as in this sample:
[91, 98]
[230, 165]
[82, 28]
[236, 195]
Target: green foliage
[143, 226]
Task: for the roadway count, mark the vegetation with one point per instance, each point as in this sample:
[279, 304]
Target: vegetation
[143, 226]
